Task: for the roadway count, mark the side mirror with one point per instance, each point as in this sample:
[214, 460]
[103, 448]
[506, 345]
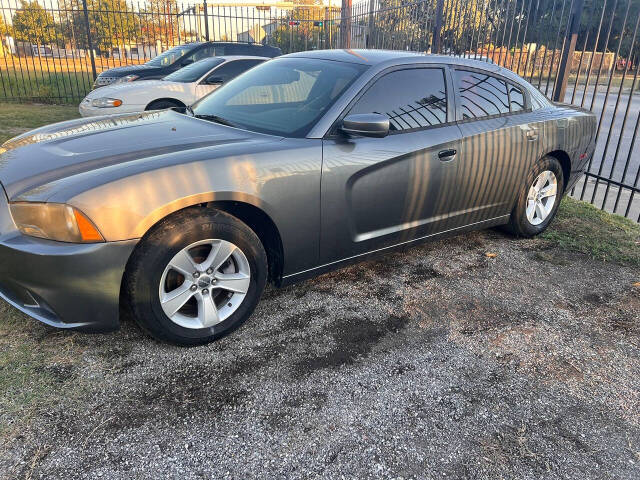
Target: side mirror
[366, 125]
[214, 81]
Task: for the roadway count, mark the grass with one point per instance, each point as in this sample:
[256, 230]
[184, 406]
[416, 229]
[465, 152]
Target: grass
[44, 87]
[581, 227]
[32, 370]
[18, 118]
[35, 370]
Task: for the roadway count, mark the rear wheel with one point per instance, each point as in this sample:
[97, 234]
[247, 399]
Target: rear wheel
[538, 199]
[196, 277]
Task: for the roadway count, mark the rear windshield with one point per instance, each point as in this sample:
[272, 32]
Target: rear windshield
[170, 56]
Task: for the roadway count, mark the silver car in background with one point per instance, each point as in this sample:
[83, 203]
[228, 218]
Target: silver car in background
[301, 165]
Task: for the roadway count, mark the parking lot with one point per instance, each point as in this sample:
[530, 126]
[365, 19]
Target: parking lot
[479, 356]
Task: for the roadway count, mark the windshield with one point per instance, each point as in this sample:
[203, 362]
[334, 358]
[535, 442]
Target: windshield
[286, 96]
[195, 71]
[170, 56]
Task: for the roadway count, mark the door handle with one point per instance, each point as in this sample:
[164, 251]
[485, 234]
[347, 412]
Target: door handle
[532, 134]
[447, 155]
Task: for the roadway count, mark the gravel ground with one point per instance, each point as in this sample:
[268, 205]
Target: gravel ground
[475, 357]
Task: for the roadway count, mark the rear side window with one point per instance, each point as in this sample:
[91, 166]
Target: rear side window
[481, 95]
[232, 69]
[516, 98]
[414, 98]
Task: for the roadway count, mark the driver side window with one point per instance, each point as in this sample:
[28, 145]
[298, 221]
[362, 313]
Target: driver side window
[412, 99]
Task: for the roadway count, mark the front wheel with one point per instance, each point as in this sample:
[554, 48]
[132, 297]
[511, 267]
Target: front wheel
[196, 277]
[162, 105]
[538, 199]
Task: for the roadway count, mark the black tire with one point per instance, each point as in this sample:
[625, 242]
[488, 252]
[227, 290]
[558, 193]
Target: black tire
[155, 251]
[163, 104]
[519, 224]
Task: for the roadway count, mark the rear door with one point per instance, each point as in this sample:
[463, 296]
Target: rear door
[498, 145]
[378, 192]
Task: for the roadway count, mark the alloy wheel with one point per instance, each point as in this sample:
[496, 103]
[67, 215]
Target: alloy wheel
[204, 283]
[541, 197]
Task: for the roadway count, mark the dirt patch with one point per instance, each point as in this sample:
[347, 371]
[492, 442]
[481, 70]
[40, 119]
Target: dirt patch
[353, 339]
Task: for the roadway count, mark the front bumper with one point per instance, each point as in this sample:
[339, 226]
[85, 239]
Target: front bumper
[86, 110]
[65, 285]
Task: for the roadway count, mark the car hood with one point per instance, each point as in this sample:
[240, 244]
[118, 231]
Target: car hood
[133, 87]
[129, 70]
[58, 151]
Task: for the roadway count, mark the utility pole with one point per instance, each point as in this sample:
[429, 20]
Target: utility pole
[345, 24]
[206, 20]
[437, 27]
[567, 52]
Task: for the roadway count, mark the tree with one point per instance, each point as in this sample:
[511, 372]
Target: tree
[304, 34]
[159, 21]
[112, 23]
[402, 26]
[468, 25]
[33, 24]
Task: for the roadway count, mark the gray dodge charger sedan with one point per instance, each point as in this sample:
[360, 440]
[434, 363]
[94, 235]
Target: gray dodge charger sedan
[301, 165]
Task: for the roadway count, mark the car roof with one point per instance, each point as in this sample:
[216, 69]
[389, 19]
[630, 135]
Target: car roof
[385, 58]
[242, 57]
[228, 58]
[375, 57]
[250, 44]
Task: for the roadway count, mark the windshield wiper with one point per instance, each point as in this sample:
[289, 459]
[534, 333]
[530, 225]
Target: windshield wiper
[217, 119]
[189, 111]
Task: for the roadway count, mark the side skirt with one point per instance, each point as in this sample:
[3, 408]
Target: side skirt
[314, 272]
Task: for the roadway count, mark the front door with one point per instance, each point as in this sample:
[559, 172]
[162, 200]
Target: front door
[378, 192]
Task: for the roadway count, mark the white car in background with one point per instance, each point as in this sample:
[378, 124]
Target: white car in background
[179, 89]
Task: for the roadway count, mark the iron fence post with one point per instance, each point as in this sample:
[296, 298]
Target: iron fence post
[89, 39]
[206, 20]
[327, 19]
[437, 27]
[570, 37]
[370, 26]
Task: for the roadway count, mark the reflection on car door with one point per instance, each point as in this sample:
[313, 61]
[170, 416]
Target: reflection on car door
[497, 147]
[378, 192]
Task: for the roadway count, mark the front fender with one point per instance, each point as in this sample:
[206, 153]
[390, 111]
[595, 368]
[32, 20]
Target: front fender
[284, 184]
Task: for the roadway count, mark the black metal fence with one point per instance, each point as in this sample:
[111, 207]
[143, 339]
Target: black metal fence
[583, 52]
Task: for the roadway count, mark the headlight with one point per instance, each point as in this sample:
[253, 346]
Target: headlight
[127, 78]
[105, 102]
[54, 221]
